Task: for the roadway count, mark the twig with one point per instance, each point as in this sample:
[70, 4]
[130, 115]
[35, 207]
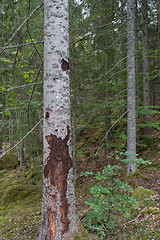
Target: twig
[38, 72]
[21, 45]
[105, 137]
[19, 28]
[21, 86]
[115, 124]
[133, 220]
[20, 140]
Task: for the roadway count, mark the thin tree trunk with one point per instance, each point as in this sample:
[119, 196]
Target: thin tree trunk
[74, 140]
[157, 83]
[1, 140]
[21, 154]
[59, 218]
[108, 93]
[146, 84]
[11, 140]
[131, 118]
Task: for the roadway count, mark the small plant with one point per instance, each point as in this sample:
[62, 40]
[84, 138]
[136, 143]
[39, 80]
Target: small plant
[138, 161]
[122, 157]
[111, 201]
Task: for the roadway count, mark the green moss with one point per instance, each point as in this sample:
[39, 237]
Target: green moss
[145, 235]
[20, 208]
[9, 161]
[153, 210]
[141, 176]
[3, 172]
[137, 173]
[143, 195]
[81, 234]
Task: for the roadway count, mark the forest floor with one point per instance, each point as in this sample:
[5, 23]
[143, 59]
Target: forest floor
[21, 191]
[144, 223]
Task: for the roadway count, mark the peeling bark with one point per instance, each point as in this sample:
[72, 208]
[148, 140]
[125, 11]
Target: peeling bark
[56, 170]
[59, 218]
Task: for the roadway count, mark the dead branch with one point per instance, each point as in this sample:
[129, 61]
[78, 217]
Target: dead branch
[105, 137]
[21, 45]
[21, 139]
[19, 28]
[21, 86]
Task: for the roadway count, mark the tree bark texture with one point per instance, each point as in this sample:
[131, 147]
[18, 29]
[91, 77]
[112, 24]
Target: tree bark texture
[59, 218]
[108, 94]
[0, 117]
[131, 118]
[21, 155]
[74, 141]
[157, 83]
[146, 84]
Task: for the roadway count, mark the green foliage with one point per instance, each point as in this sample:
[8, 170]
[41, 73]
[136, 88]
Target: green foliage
[121, 157]
[148, 110]
[138, 161]
[111, 201]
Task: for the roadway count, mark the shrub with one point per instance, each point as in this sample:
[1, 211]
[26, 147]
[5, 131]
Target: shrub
[111, 201]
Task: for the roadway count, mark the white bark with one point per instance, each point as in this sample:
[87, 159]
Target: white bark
[131, 120]
[58, 211]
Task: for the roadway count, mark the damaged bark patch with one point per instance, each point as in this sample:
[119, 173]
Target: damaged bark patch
[56, 170]
[47, 115]
[64, 65]
[52, 224]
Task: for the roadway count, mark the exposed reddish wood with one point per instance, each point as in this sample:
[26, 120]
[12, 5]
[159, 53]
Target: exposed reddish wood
[56, 170]
[52, 224]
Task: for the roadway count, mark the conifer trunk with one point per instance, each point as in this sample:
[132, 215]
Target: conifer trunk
[157, 83]
[131, 118]
[1, 140]
[146, 84]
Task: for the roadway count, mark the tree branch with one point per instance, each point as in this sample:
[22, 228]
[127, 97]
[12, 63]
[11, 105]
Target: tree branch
[115, 124]
[34, 87]
[21, 45]
[20, 140]
[105, 137]
[21, 86]
[18, 29]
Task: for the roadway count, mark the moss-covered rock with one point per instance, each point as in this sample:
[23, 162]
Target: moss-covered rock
[144, 196]
[81, 234]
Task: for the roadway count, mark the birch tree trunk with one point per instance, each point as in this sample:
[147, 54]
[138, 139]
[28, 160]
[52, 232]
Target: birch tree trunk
[59, 218]
[131, 118]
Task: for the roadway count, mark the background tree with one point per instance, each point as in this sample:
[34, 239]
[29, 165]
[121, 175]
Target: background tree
[145, 53]
[131, 120]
